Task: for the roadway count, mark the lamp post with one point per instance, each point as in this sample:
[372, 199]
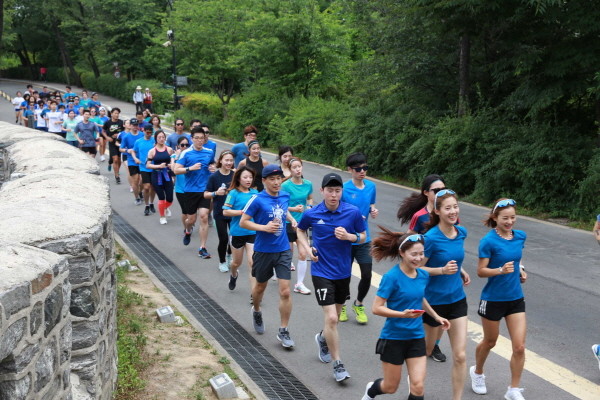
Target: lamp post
[171, 37]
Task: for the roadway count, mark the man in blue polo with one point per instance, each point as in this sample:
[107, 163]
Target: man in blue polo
[141, 148]
[266, 214]
[336, 225]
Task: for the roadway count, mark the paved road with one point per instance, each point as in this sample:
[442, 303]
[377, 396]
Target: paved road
[562, 301]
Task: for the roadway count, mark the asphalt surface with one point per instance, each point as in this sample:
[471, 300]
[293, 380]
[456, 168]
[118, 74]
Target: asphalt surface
[563, 307]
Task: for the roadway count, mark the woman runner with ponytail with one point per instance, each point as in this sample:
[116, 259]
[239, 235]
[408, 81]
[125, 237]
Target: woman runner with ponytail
[160, 161]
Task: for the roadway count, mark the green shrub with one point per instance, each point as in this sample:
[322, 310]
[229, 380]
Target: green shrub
[205, 104]
[588, 189]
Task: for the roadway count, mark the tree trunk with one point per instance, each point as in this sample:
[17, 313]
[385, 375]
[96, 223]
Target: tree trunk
[463, 75]
[94, 65]
[26, 58]
[66, 56]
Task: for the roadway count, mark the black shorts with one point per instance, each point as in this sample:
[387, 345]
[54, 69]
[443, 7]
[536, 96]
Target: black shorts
[133, 170]
[291, 232]
[180, 200]
[496, 310]
[331, 291]
[449, 311]
[146, 176]
[90, 150]
[396, 351]
[113, 149]
[362, 253]
[237, 242]
[263, 265]
[192, 201]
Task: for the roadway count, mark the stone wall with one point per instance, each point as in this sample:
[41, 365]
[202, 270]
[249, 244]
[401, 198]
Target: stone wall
[58, 293]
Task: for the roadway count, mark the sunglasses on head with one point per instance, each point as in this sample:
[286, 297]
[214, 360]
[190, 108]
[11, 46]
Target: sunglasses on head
[436, 190]
[412, 238]
[440, 194]
[504, 203]
[360, 169]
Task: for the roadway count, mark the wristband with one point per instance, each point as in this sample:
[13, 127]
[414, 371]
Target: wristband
[187, 169]
[357, 237]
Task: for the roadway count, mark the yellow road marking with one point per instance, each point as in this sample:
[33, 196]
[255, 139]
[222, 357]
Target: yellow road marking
[536, 364]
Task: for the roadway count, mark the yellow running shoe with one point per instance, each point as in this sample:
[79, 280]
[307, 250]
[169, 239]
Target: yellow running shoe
[361, 317]
[343, 315]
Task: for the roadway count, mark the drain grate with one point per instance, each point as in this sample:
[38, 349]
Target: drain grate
[274, 379]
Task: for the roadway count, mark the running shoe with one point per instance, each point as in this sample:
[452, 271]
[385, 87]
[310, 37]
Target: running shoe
[596, 350]
[477, 381]
[147, 211]
[163, 221]
[366, 396]
[232, 282]
[223, 267]
[437, 355]
[343, 315]
[324, 355]
[300, 288]
[257, 321]
[187, 237]
[109, 167]
[339, 371]
[138, 202]
[203, 253]
[284, 337]
[102, 158]
[361, 317]
[152, 209]
[130, 189]
[514, 394]
[118, 179]
[168, 212]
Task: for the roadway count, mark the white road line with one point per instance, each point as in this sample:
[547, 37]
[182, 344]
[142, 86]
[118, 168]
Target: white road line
[536, 364]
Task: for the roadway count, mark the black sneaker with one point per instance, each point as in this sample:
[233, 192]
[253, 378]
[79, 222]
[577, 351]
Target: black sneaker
[187, 238]
[232, 282]
[147, 211]
[257, 321]
[118, 179]
[437, 355]
[152, 210]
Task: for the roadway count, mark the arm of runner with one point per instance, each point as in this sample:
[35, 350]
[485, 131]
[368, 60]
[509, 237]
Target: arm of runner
[379, 308]
[450, 268]
[374, 211]
[291, 219]
[247, 223]
[303, 241]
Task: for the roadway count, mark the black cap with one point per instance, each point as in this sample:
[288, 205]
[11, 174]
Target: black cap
[148, 128]
[134, 121]
[332, 179]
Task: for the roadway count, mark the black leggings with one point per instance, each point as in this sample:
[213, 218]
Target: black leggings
[222, 226]
[365, 281]
[164, 191]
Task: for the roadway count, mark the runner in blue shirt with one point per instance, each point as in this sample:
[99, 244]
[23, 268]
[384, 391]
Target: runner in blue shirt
[444, 253]
[335, 226]
[182, 145]
[500, 252]
[266, 213]
[141, 148]
[178, 132]
[126, 147]
[241, 149]
[300, 191]
[194, 163]
[400, 298]
[361, 193]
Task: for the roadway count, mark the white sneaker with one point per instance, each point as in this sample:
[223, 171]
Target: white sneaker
[477, 381]
[102, 158]
[223, 267]
[300, 288]
[366, 396]
[168, 212]
[163, 221]
[130, 189]
[514, 394]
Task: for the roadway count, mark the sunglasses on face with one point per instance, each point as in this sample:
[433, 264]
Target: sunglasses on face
[440, 194]
[436, 190]
[179, 123]
[412, 238]
[183, 145]
[504, 203]
[360, 169]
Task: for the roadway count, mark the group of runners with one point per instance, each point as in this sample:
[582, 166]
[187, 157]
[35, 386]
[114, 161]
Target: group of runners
[261, 210]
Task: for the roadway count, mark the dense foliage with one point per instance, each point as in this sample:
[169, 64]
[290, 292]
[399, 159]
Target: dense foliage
[502, 97]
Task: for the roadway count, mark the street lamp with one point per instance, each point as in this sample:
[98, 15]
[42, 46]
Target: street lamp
[171, 37]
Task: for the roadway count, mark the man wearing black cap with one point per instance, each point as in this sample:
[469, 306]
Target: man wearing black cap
[110, 130]
[127, 144]
[336, 226]
[266, 213]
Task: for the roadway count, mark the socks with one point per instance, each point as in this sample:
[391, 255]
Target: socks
[375, 389]
[162, 207]
[301, 270]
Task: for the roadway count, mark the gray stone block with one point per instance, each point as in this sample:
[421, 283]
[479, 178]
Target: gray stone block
[15, 390]
[45, 366]
[53, 309]
[100, 257]
[60, 267]
[16, 363]
[165, 314]
[74, 245]
[66, 293]
[66, 378]
[11, 337]
[97, 233]
[84, 365]
[85, 334]
[53, 392]
[36, 318]
[84, 301]
[223, 386]
[81, 269]
[64, 343]
[16, 299]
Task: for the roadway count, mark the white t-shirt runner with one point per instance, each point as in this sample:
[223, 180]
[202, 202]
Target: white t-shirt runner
[54, 121]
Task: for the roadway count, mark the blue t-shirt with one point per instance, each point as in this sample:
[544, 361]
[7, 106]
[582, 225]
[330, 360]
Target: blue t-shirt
[127, 142]
[444, 289]
[88, 133]
[174, 137]
[213, 146]
[401, 293]
[505, 287]
[361, 198]
[335, 255]
[195, 181]
[298, 195]
[239, 151]
[237, 200]
[141, 148]
[264, 208]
